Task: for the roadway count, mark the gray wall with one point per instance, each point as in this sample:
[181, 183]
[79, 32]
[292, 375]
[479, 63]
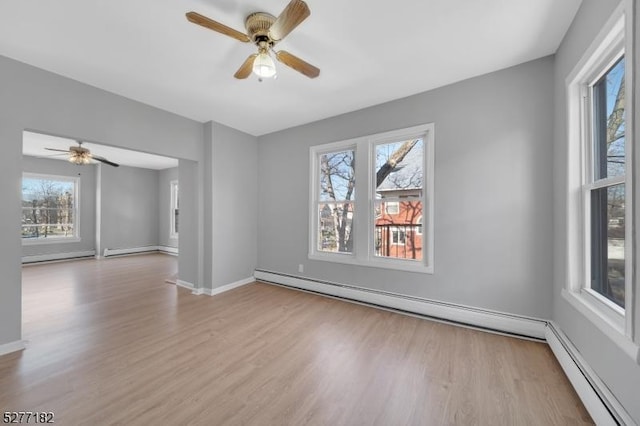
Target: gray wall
[129, 212]
[231, 198]
[34, 99]
[87, 230]
[493, 191]
[616, 369]
[235, 205]
[164, 207]
[190, 244]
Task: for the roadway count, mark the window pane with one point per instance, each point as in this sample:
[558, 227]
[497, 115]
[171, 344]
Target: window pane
[337, 176]
[335, 227]
[607, 243]
[399, 235]
[48, 207]
[399, 170]
[609, 123]
[47, 231]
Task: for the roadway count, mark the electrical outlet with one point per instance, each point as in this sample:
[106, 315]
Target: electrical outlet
[301, 268]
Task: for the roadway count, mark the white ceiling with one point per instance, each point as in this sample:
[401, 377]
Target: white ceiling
[368, 51]
[34, 144]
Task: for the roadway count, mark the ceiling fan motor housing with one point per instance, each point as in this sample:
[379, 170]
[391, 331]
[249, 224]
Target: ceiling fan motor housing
[258, 25]
[78, 150]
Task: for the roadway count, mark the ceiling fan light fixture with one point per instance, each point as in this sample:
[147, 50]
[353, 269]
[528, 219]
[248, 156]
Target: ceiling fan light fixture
[79, 158]
[79, 155]
[263, 65]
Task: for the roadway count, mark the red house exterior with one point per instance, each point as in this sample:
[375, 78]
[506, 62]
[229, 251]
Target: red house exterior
[398, 231]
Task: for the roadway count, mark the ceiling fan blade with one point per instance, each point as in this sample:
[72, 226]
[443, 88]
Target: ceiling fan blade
[105, 161]
[203, 21]
[57, 150]
[292, 15]
[245, 69]
[297, 64]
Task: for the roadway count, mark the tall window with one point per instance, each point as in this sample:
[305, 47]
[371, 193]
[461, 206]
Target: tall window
[392, 173]
[605, 183]
[599, 182]
[49, 208]
[175, 209]
[398, 192]
[335, 202]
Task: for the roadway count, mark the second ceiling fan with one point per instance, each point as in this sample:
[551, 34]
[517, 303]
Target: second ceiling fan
[265, 31]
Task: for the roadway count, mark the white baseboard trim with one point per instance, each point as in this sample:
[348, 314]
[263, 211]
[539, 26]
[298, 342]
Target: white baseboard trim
[10, 347]
[463, 315]
[185, 284]
[222, 289]
[217, 290]
[57, 256]
[603, 407]
[168, 250]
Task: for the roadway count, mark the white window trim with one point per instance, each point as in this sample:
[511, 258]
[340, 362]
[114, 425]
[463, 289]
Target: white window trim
[364, 244]
[173, 185]
[76, 211]
[612, 320]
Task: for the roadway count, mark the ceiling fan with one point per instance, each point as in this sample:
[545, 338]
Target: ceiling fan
[265, 31]
[80, 155]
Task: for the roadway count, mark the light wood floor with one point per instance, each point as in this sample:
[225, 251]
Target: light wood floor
[112, 343]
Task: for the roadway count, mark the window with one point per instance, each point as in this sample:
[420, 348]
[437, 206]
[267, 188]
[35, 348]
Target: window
[399, 176]
[398, 236]
[392, 173]
[49, 208]
[605, 184]
[599, 184]
[175, 204]
[392, 207]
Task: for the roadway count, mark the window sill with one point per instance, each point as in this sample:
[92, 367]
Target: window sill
[407, 266]
[606, 325]
[37, 242]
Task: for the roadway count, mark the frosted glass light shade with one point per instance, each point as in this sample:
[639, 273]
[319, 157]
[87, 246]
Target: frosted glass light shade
[263, 66]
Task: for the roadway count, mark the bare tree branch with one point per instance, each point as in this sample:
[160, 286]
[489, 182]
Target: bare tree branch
[616, 118]
[393, 161]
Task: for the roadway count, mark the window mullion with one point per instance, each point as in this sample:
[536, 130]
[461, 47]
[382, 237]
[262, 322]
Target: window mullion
[362, 205]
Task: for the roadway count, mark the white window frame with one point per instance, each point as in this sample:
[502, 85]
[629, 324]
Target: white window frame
[173, 185]
[364, 213]
[76, 210]
[613, 41]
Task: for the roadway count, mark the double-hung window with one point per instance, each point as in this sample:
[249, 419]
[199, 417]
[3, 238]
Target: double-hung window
[392, 175]
[599, 183]
[604, 186]
[49, 208]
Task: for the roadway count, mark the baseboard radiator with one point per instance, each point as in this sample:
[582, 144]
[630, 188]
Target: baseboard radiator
[602, 405]
[54, 257]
